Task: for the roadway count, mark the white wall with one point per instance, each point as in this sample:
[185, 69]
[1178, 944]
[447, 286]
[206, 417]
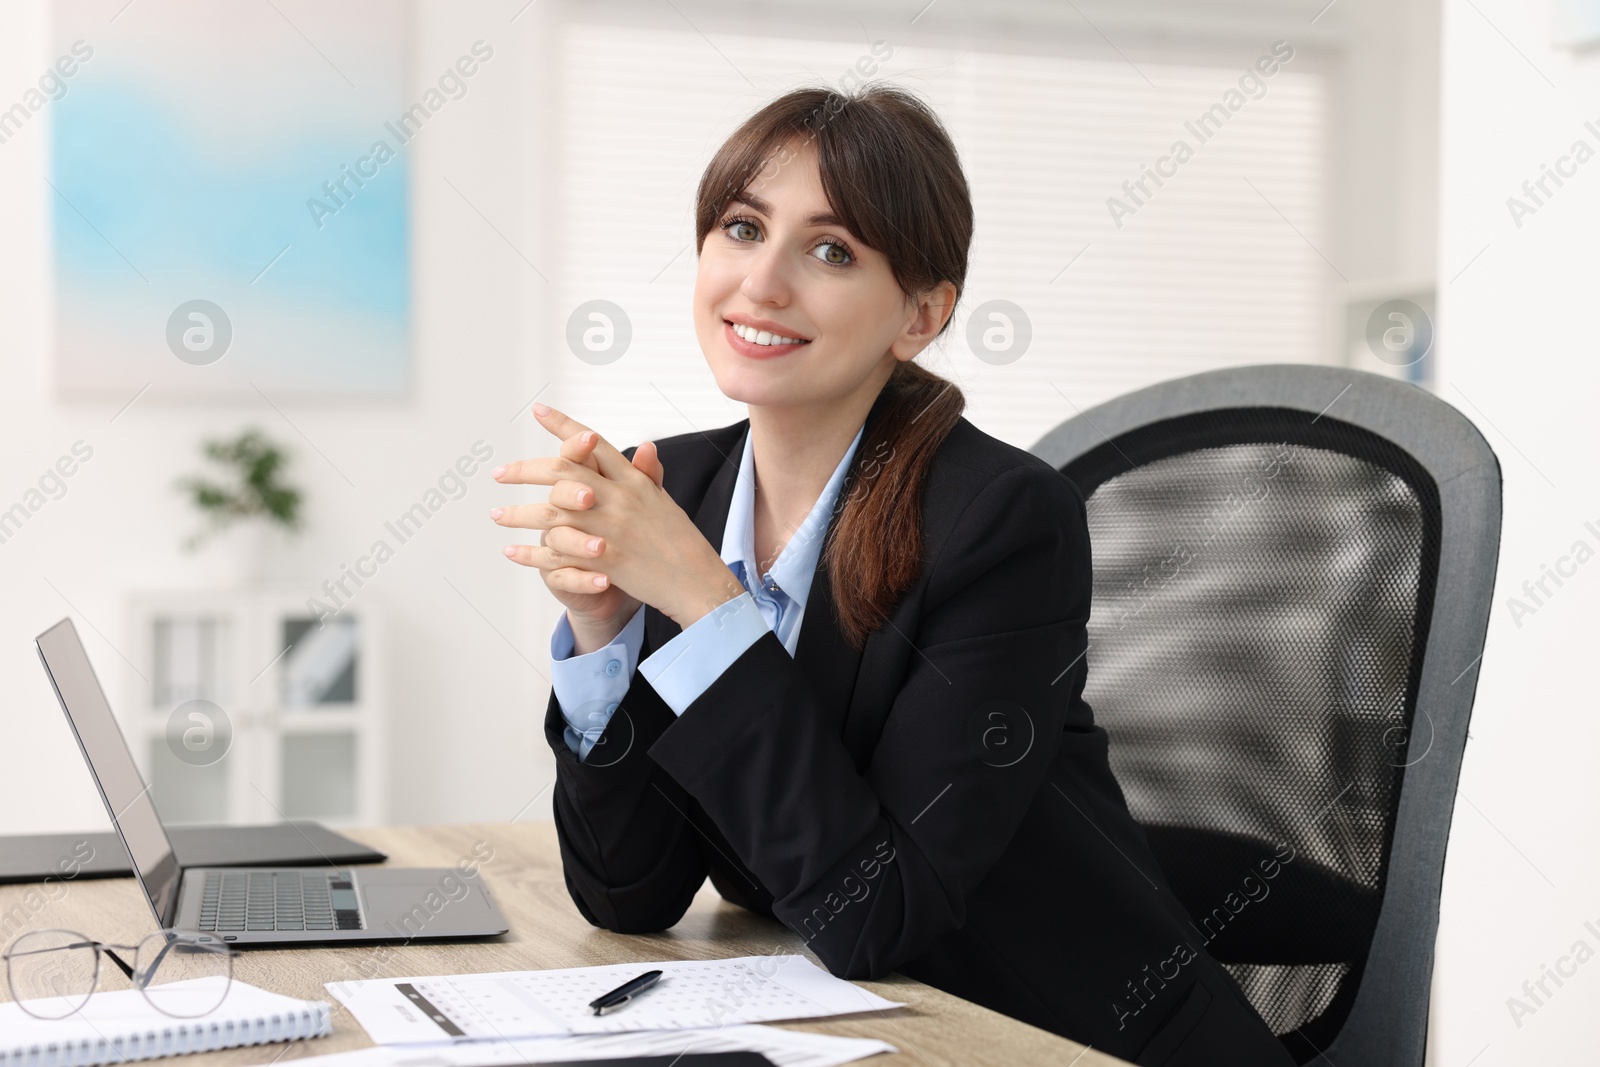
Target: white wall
[1517, 312]
[466, 670]
[464, 718]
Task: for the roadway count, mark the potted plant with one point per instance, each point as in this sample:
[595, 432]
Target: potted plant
[250, 495]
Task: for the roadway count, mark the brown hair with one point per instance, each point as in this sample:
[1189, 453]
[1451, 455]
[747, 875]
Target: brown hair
[890, 171]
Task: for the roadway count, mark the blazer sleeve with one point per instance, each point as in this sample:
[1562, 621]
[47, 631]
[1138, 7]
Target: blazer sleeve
[870, 868]
[631, 858]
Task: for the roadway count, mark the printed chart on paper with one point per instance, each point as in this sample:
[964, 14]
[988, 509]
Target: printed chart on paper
[509, 1004]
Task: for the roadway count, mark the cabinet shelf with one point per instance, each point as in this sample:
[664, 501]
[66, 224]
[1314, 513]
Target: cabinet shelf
[255, 710]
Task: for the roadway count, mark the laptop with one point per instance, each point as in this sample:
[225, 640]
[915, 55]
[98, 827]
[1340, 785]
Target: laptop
[251, 905]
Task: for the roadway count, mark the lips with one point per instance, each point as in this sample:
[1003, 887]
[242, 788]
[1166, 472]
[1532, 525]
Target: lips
[753, 350]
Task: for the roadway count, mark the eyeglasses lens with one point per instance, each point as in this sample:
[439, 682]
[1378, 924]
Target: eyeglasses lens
[181, 975]
[51, 972]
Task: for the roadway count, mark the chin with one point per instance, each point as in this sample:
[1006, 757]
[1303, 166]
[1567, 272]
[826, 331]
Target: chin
[743, 387]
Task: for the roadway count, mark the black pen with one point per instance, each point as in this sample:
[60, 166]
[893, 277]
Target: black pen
[624, 992]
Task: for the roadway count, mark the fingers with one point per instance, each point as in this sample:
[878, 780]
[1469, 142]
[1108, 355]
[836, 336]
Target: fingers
[567, 494]
[566, 546]
[565, 497]
[547, 470]
[612, 463]
[545, 516]
[571, 495]
[569, 579]
[650, 462]
[564, 557]
[579, 448]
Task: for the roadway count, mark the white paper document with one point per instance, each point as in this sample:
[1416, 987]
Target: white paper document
[786, 1048]
[691, 994]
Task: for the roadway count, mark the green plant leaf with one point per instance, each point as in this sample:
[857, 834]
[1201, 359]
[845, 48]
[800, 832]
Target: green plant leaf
[254, 466]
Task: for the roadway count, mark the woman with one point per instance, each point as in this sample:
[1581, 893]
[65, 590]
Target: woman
[833, 655]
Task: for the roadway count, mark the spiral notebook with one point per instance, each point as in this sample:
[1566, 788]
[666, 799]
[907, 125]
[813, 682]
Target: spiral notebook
[119, 1025]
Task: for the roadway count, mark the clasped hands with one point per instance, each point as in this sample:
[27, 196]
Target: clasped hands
[613, 537]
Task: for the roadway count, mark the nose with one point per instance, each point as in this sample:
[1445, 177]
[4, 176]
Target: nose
[766, 277]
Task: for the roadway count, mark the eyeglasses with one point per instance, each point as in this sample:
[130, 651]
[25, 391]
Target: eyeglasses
[52, 972]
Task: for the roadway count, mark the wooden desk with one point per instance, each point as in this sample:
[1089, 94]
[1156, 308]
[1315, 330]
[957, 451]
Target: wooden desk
[935, 1029]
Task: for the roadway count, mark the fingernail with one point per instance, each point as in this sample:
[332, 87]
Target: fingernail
[495, 513]
[588, 437]
[511, 550]
[540, 410]
[594, 544]
[599, 581]
[498, 471]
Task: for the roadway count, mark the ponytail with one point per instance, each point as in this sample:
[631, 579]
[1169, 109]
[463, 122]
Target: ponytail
[874, 552]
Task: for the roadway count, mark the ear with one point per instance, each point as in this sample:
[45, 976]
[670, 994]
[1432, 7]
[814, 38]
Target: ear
[926, 316]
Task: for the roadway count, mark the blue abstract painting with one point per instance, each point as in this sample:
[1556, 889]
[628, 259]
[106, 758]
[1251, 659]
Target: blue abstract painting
[223, 219]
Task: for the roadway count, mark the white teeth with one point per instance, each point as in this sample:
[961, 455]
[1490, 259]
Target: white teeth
[763, 337]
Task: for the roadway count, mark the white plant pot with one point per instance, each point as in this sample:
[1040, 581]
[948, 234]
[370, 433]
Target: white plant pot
[247, 549]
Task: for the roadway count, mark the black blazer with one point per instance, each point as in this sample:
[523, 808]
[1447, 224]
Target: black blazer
[939, 803]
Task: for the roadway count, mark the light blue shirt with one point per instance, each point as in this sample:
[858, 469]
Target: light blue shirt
[588, 688]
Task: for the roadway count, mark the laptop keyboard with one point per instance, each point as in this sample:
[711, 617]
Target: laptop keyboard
[278, 900]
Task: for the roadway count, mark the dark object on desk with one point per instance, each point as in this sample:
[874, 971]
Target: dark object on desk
[1294, 568]
[35, 857]
[688, 1059]
[624, 993]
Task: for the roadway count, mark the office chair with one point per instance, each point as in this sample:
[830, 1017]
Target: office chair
[1293, 571]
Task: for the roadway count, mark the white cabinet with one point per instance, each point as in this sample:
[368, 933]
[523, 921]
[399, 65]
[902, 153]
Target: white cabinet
[256, 711]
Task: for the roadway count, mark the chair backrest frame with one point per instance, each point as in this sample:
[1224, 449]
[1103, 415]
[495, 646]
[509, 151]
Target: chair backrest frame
[1388, 1019]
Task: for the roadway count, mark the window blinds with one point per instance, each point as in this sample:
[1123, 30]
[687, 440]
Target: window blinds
[1217, 266]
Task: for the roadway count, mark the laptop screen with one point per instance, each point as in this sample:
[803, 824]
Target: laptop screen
[111, 763]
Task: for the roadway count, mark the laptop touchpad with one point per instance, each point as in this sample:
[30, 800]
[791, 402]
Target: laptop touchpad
[424, 903]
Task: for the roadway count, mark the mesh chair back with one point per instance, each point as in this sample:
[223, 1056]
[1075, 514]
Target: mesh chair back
[1266, 564]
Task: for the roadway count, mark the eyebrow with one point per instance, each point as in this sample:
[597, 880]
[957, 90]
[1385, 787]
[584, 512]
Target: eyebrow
[816, 218]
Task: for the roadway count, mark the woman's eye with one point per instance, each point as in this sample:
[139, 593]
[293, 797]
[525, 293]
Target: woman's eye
[842, 258]
[740, 229]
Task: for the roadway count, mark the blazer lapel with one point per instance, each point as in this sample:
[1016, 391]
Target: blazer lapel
[821, 652]
[828, 658]
[712, 514]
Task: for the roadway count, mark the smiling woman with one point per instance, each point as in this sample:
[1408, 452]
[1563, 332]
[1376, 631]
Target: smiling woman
[879, 739]
[870, 262]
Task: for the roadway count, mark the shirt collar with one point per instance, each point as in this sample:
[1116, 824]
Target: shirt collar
[796, 565]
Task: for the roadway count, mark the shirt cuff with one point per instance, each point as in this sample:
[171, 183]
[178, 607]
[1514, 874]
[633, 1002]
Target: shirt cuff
[685, 666]
[589, 687]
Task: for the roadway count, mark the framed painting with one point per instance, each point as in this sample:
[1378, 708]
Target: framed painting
[229, 189]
